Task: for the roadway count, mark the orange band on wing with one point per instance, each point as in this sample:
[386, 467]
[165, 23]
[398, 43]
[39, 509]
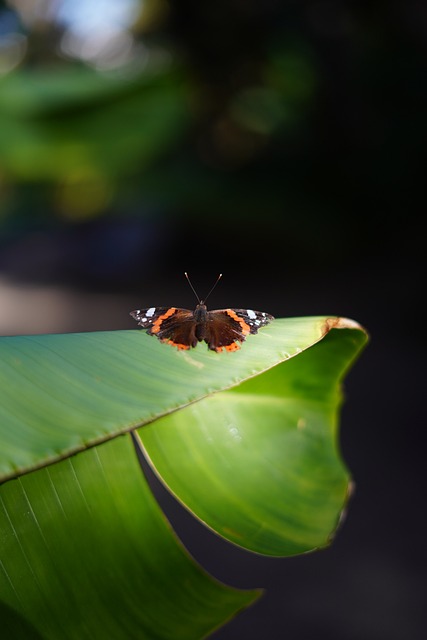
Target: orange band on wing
[245, 327]
[158, 323]
[229, 347]
[177, 344]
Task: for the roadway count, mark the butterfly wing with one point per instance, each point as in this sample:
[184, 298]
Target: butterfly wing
[223, 329]
[227, 327]
[253, 319]
[169, 324]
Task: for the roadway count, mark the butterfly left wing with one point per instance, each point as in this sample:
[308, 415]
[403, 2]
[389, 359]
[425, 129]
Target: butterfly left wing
[252, 319]
[169, 324]
[227, 327]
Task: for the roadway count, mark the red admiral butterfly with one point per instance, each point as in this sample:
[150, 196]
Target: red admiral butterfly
[221, 329]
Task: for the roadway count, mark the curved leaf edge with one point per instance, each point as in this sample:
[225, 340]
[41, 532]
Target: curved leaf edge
[341, 516]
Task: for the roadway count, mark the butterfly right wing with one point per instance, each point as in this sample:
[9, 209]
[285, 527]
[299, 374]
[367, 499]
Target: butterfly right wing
[229, 327]
[169, 324]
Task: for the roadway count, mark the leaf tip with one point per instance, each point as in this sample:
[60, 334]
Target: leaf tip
[336, 322]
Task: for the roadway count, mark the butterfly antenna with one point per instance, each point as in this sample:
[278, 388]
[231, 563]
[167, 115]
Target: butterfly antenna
[214, 285]
[194, 291]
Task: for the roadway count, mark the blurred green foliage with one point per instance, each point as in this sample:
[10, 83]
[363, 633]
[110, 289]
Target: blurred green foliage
[309, 115]
[83, 132]
[88, 134]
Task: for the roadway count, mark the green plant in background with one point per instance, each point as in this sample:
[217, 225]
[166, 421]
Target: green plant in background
[247, 441]
[89, 139]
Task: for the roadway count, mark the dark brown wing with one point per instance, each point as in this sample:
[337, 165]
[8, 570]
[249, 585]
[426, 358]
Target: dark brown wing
[227, 327]
[172, 325]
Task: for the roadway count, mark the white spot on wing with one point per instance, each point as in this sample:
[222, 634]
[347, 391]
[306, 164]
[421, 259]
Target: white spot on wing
[150, 312]
[251, 314]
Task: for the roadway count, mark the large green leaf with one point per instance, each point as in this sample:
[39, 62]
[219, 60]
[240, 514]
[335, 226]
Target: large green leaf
[259, 463]
[246, 440]
[85, 553]
[63, 393]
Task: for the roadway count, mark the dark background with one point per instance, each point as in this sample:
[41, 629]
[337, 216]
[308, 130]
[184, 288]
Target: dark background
[283, 144]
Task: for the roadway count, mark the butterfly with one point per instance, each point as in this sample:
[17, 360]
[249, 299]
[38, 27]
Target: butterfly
[222, 329]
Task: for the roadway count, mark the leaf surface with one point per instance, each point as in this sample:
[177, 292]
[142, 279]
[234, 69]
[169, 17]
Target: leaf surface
[63, 393]
[259, 463]
[85, 553]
